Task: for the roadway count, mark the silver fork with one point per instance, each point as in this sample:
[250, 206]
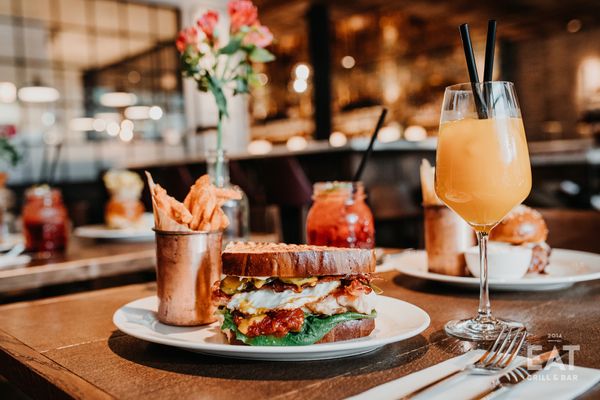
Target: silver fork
[498, 357]
[517, 375]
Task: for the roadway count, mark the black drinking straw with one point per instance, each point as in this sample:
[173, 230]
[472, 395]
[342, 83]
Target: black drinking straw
[489, 51]
[472, 68]
[54, 165]
[369, 150]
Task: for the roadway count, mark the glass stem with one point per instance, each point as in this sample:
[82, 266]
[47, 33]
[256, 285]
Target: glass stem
[485, 312]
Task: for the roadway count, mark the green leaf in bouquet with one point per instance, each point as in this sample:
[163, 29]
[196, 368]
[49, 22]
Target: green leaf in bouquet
[253, 79]
[9, 152]
[258, 54]
[202, 83]
[241, 86]
[189, 63]
[214, 85]
[232, 47]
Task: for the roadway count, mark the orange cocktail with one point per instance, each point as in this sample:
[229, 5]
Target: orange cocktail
[483, 168]
[482, 172]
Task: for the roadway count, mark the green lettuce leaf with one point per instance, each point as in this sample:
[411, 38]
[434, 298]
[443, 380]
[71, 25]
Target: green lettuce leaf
[313, 330]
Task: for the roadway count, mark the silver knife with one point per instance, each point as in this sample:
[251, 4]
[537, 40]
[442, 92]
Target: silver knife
[519, 374]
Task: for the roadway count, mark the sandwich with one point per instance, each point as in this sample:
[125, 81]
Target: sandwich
[291, 295]
[526, 227]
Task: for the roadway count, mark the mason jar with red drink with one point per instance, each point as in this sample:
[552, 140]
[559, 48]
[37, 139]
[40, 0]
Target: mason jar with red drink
[45, 221]
[340, 217]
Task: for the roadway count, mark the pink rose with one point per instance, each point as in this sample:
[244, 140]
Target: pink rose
[187, 37]
[207, 23]
[8, 131]
[259, 36]
[242, 13]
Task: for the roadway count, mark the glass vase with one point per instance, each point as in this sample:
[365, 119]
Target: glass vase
[236, 210]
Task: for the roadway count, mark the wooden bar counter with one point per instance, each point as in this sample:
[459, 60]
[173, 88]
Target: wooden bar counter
[84, 260]
[87, 260]
[69, 347]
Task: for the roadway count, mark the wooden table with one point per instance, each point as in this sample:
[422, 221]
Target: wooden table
[84, 260]
[68, 347]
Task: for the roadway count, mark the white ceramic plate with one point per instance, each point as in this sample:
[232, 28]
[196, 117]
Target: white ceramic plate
[7, 262]
[566, 268]
[141, 232]
[11, 241]
[397, 320]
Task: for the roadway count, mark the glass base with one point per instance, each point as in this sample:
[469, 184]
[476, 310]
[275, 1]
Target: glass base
[479, 328]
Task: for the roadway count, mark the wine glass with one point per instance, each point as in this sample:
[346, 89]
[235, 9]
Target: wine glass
[482, 172]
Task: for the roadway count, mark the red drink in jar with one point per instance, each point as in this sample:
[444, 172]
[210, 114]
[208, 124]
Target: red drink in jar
[45, 221]
[340, 217]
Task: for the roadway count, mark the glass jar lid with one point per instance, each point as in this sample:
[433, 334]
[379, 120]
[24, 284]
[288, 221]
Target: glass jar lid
[338, 189]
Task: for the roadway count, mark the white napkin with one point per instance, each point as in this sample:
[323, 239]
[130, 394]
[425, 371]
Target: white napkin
[555, 382]
[390, 262]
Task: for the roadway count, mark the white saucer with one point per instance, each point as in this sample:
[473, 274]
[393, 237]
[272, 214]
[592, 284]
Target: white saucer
[142, 232]
[7, 262]
[397, 320]
[10, 241]
[566, 268]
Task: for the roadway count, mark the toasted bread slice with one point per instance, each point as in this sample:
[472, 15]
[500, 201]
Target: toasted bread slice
[295, 261]
[344, 331]
[354, 329]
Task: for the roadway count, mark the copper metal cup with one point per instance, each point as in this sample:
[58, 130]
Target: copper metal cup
[187, 265]
[447, 236]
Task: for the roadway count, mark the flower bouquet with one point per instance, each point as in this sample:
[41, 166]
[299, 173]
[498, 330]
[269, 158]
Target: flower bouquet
[216, 64]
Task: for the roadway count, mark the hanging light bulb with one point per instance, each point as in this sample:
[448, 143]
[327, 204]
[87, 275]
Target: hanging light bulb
[415, 133]
[118, 99]
[300, 86]
[38, 93]
[348, 62]
[112, 128]
[259, 146]
[302, 71]
[155, 113]
[338, 139]
[99, 125]
[296, 143]
[137, 112]
[8, 92]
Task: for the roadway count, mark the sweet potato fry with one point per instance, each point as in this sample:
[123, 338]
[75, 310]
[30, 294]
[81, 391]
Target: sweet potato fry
[209, 207]
[172, 207]
[200, 211]
[169, 214]
[203, 200]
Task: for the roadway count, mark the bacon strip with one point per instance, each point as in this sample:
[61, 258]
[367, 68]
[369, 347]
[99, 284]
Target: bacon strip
[277, 323]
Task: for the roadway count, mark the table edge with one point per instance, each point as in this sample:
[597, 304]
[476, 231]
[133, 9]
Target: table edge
[22, 365]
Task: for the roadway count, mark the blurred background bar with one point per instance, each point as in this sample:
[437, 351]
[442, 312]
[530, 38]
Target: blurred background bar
[89, 85]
